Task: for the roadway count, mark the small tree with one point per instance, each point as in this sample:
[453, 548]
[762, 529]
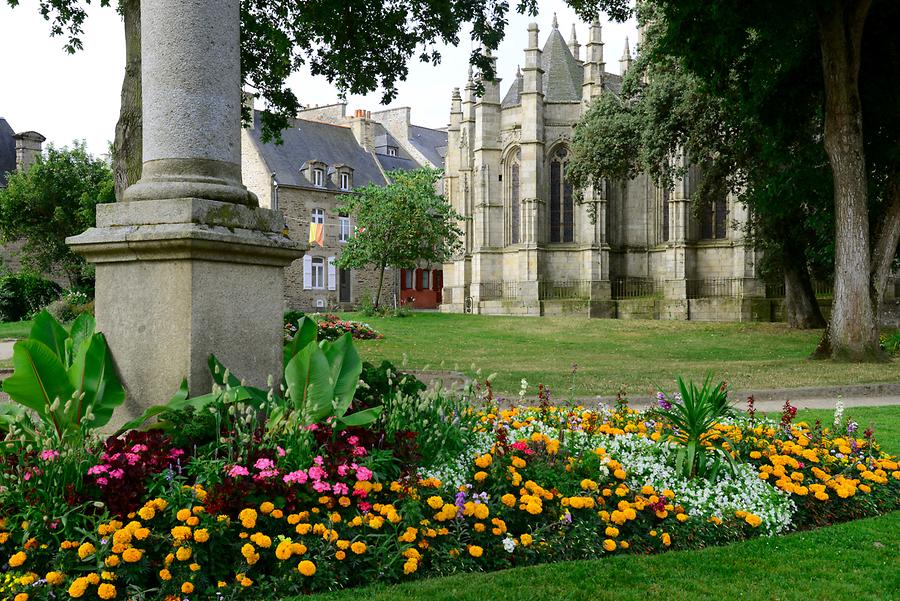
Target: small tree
[399, 224]
[52, 200]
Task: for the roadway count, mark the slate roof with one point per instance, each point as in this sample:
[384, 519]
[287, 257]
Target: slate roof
[563, 75]
[432, 143]
[7, 151]
[312, 140]
[389, 163]
[514, 95]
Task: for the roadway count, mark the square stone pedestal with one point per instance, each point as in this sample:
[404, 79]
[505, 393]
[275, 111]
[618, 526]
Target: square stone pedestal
[178, 280]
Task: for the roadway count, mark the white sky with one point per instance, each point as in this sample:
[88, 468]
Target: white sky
[68, 97]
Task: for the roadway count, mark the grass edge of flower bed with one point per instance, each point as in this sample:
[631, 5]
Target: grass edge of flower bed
[803, 564]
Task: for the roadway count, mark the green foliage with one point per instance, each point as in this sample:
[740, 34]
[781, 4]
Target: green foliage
[55, 199]
[693, 418]
[400, 224]
[384, 381]
[70, 305]
[21, 294]
[66, 377]
[891, 343]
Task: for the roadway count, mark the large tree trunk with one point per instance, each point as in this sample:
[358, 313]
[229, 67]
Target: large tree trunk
[127, 148]
[800, 304]
[885, 248]
[853, 332]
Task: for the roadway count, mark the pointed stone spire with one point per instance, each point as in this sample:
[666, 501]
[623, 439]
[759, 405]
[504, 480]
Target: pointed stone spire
[555, 22]
[574, 46]
[519, 71]
[626, 61]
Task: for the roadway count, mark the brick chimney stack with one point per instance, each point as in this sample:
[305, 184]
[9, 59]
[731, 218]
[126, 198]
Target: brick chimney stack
[29, 145]
[363, 129]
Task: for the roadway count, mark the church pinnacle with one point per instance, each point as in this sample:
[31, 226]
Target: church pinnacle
[555, 22]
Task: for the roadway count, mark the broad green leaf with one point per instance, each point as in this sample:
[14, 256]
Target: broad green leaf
[47, 330]
[346, 367]
[81, 331]
[39, 377]
[94, 375]
[307, 332]
[218, 372]
[360, 418]
[309, 388]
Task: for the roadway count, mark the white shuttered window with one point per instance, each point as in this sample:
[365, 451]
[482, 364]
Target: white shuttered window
[332, 274]
[307, 272]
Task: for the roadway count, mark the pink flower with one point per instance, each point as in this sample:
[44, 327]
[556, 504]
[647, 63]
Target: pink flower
[358, 492]
[353, 440]
[118, 474]
[139, 448]
[363, 474]
[340, 488]
[49, 455]
[359, 451]
[318, 460]
[300, 477]
[98, 469]
[343, 470]
[281, 452]
[264, 464]
[102, 481]
[176, 452]
[364, 506]
[132, 458]
[238, 470]
[320, 486]
[317, 473]
[265, 474]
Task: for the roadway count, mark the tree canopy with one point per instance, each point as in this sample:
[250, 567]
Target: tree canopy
[400, 224]
[55, 198]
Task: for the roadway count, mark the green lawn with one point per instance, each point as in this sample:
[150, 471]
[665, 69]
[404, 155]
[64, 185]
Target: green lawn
[611, 353]
[856, 560]
[15, 329]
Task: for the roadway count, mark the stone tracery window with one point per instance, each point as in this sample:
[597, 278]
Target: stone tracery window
[514, 209]
[562, 203]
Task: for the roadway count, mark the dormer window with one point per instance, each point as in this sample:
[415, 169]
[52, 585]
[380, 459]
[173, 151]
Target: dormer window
[392, 152]
[315, 171]
[345, 181]
[342, 177]
[319, 178]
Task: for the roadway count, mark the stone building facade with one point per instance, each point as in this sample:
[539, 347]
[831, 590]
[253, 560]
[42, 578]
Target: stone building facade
[629, 249]
[324, 154]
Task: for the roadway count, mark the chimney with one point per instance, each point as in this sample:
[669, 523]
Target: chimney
[28, 148]
[363, 129]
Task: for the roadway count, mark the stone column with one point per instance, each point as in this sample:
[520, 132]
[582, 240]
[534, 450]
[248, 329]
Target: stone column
[188, 265]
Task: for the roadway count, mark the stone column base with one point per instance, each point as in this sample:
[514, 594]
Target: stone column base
[180, 279]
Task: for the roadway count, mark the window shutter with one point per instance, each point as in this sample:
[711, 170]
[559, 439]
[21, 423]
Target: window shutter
[418, 279]
[307, 272]
[332, 274]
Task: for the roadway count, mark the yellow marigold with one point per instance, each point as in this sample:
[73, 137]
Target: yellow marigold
[483, 461]
[183, 514]
[201, 535]
[508, 499]
[475, 551]
[753, 520]
[183, 553]
[480, 476]
[435, 502]
[609, 545]
[306, 567]
[266, 507]
[358, 547]
[481, 511]
[526, 539]
[248, 550]
[17, 559]
[132, 555]
[141, 533]
[106, 591]
[78, 586]
[54, 578]
[187, 588]
[620, 474]
[612, 531]
[165, 574]
[248, 518]
[147, 512]
[21, 597]
[340, 556]
[85, 550]
[681, 517]
[410, 566]
[518, 462]
[180, 533]
[666, 539]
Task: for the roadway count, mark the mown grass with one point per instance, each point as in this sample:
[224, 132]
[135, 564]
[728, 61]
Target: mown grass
[15, 329]
[612, 354]
[856, 560]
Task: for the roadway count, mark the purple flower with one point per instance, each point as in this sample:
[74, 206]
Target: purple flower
[663, 402]
[852, 427]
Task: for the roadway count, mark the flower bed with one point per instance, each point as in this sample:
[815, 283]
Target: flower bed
[332, 327]
[529, 485]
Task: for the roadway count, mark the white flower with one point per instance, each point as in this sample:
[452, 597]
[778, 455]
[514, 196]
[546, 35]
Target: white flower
[509, 544]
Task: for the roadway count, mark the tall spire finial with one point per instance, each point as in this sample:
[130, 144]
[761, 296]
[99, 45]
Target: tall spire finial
[573, 37]
[627, 52]
[518, 70]
[555, 22]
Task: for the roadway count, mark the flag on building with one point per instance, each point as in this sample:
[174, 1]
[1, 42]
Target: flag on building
[317, 233]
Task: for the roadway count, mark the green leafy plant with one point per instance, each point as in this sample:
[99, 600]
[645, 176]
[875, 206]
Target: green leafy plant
[21, 294]
[66, 377]
[693, 417]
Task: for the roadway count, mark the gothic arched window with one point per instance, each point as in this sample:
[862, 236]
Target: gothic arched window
[514, 210]
[562, 203]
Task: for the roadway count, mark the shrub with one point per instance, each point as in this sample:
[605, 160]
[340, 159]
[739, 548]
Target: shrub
[22, 294]
[332, 327]
[891, 343]
[70, 305]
